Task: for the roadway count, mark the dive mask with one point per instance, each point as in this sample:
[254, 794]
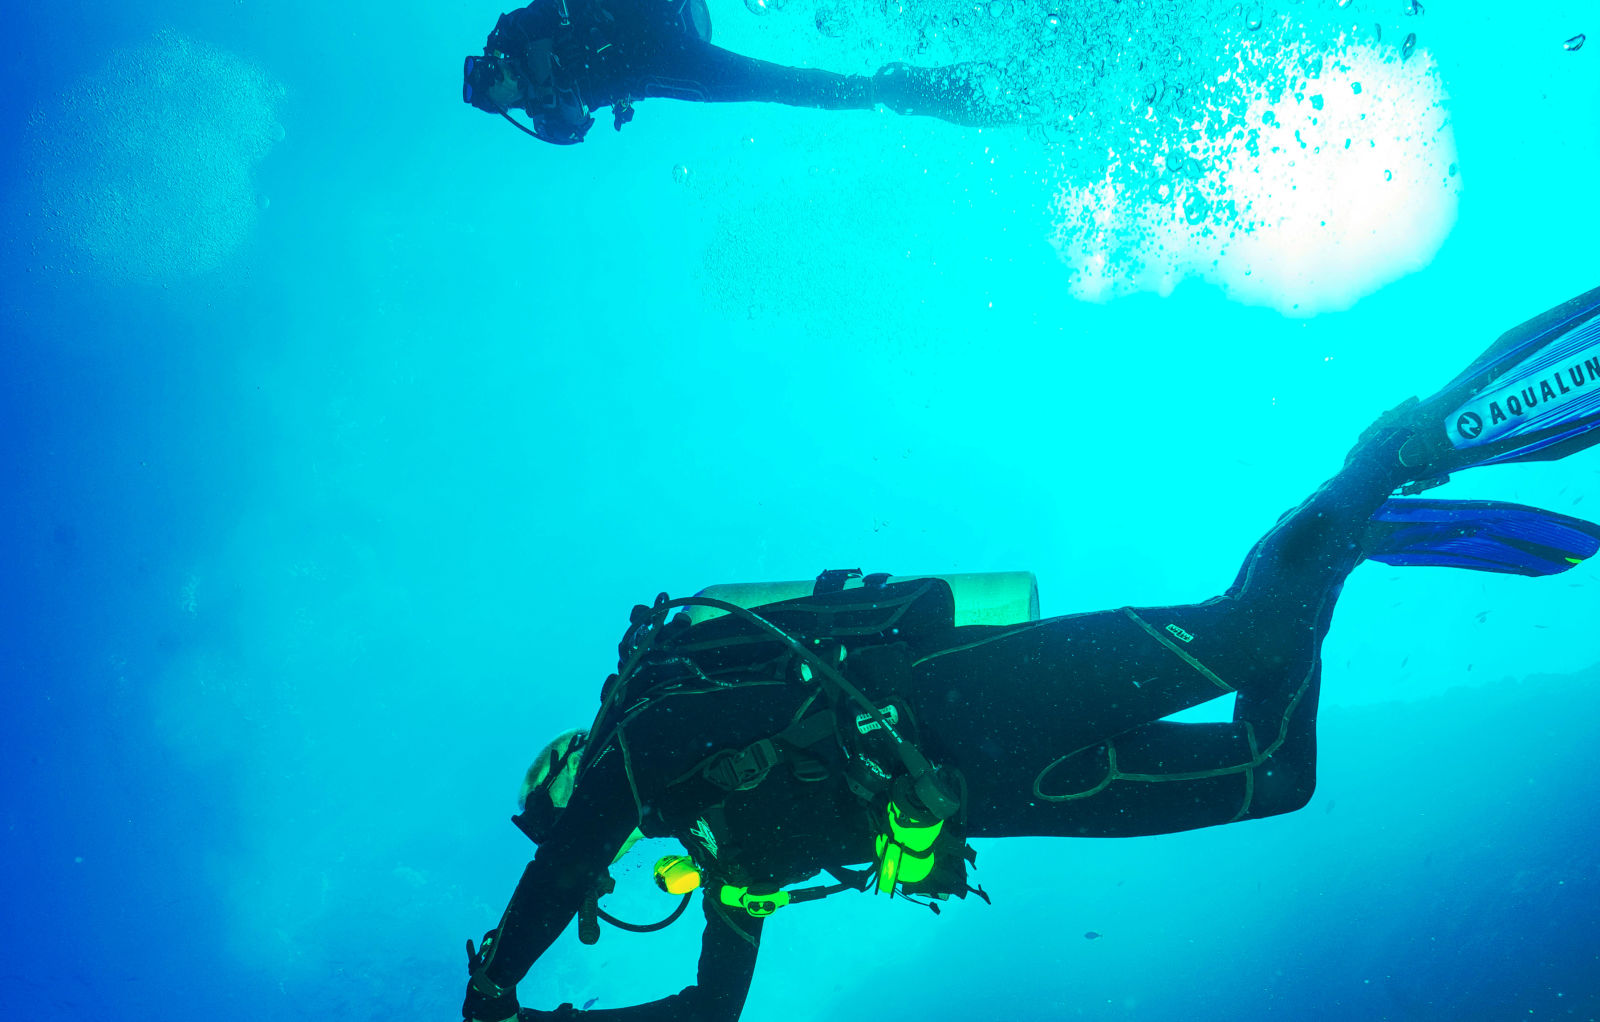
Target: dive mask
[478, 76]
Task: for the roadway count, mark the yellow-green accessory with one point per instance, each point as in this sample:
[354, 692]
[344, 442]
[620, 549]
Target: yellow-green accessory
[677, 874]
[905, 853]
[758, 905]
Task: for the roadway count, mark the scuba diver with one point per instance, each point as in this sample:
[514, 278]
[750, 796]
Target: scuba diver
[869, 727]
[560, 60]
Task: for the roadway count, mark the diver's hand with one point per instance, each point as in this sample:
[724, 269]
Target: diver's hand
[486, 1002]
[480, 1008]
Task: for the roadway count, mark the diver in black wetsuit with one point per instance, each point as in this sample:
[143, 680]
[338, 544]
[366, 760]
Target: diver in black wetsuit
[560, 60]
[862, 726]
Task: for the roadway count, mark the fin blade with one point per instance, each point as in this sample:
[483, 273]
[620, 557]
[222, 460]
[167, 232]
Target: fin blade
[1533, 396]
[1479, 535]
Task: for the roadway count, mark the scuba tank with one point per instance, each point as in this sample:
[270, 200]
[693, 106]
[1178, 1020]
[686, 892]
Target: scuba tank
[986, 598]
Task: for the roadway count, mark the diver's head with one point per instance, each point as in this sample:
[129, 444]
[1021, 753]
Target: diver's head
[492, 83]
[513, 72]
[547, 786]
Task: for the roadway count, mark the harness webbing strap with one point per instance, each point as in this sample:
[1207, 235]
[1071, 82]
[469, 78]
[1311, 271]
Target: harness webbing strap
[743, 769]
[925, 778]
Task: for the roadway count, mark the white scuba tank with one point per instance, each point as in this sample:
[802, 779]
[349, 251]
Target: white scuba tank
[982, 598]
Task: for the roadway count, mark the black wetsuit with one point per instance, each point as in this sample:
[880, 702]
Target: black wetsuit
[616, 52]
[621, 51]
[1056, 726]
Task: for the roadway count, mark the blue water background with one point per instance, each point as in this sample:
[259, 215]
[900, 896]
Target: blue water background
[307, 554]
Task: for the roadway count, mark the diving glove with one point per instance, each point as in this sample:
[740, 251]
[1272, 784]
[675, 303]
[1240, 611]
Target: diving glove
[486, 1002]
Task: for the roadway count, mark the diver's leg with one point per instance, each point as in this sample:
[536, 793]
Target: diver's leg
[1166, 777]
[683, 67]
[687, 68]
[1058, 727]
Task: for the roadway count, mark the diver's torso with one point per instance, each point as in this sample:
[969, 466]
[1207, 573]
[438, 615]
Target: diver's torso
[611, 48]
[784, 832]
[781, 831]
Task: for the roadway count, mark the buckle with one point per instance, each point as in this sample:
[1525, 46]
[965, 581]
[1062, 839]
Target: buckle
[741, 769]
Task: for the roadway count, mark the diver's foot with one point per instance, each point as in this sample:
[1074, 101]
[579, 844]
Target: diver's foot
[1385, 443]
[1395, 420]
[953, 93]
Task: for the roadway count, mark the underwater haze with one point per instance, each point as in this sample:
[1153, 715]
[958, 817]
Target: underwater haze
[343, 424]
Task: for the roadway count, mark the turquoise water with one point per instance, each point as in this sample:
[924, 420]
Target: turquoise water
[344, 424]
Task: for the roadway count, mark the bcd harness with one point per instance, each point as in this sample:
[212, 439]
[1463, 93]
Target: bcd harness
[831, 645]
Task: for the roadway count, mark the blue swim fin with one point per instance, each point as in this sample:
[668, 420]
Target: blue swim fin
[1533, 396]
[1484, 535]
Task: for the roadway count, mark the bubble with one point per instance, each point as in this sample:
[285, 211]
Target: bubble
[147, 164]
[1267, 186]
[1575, 43]
[263, 202]
[680, 174]
[833, 21]
[1409, 46]
[764, 6]
[1253, 19]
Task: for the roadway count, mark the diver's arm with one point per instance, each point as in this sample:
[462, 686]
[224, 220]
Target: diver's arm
[727, 963]
[582, 843]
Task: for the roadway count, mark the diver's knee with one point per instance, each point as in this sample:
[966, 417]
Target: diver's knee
[1279, 789]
